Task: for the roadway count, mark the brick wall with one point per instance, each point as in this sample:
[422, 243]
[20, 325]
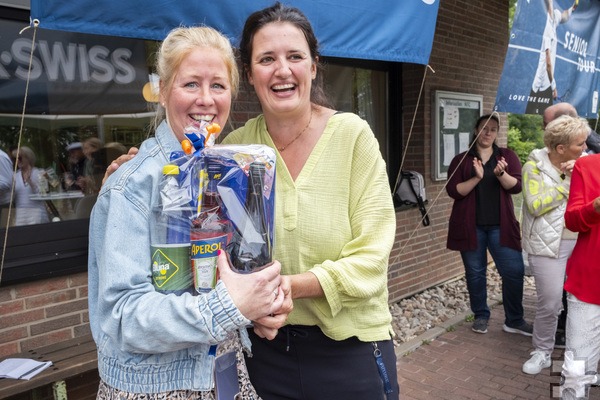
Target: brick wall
[468, 53]
[42, 312]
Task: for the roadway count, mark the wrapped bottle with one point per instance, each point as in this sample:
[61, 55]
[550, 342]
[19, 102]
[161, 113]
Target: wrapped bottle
[250, 247]
[171, 225]
[211, 230]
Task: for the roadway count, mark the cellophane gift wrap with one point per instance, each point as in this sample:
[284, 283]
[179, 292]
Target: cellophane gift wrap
[212, 197]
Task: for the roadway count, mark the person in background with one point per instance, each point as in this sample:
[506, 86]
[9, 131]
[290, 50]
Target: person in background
[482, 182]
[112, 150]
[153, 345]
[93, 170]
[546, 182]
[12, 151]
[583, 280]
[593, 143]
[28, 181]
[76, 165]
[6, 183]
[550, 114]
[544, 91]
[335, 224]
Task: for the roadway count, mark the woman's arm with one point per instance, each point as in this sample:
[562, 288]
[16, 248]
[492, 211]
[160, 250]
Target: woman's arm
[583, 207]
[461, 181]
[540, 197]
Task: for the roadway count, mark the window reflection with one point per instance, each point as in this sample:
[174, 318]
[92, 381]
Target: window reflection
[29, 182]
[362, 91]
[83, 105]
[61, 163]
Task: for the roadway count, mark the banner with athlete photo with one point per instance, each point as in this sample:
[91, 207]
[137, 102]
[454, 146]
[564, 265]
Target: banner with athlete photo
[553, 56]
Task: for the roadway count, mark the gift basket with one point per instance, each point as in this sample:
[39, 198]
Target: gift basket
[212, 197]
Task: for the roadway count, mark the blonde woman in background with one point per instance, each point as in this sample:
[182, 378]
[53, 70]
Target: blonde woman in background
[27, 183]
[546, 184]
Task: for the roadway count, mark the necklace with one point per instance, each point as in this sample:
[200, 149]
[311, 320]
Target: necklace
[282, 148]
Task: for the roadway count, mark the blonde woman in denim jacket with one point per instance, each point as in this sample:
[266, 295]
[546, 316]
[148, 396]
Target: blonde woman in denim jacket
[153, 345]
[546, 183]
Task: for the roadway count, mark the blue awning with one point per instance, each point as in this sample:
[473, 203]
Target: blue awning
[387, 30]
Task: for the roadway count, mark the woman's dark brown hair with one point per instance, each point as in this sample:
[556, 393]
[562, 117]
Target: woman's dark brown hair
[280, 13]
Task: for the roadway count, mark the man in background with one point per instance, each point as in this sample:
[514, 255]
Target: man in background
[76, 166]
[543, 89]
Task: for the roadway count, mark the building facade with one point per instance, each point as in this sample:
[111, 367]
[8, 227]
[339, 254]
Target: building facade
[43, 283]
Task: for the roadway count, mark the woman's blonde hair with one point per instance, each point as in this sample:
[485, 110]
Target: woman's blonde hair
[564, 130]
[26, 152]
[179, 43]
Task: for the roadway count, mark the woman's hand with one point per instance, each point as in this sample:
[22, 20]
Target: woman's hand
[478, 167]
[267, 327]
[597, 204]
[113, 166]
[500, 167]
[567, 167]
[256, 295]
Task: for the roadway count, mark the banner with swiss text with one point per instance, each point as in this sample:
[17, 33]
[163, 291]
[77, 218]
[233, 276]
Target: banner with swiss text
[70, 73]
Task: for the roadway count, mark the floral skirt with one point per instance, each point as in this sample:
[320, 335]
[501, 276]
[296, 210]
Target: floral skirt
[232, 343]
[106, 392]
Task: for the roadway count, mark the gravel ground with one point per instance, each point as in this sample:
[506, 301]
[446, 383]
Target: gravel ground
[416, 314]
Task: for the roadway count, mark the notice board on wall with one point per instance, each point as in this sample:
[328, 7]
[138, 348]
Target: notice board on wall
[454, 118]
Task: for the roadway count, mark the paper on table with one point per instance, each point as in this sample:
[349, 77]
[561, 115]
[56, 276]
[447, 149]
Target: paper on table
[22, 368]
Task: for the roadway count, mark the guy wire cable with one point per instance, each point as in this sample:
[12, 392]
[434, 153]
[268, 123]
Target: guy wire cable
[412, 124]
[395, 259]
[35, 24]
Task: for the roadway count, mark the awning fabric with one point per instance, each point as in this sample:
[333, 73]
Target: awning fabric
[387, 30]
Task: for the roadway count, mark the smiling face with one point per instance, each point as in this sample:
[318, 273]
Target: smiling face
[281, 68]
[201, 90]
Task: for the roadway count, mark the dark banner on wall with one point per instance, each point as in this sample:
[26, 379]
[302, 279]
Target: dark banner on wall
[552, 56]
[70, 73]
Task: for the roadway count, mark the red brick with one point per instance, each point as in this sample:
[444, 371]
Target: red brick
[22, 318]
[40, 287]
[7, 349]
[51, 297]
[76, 306]
[12, 335]
[55, 324]
[43, 340]
[11, 307]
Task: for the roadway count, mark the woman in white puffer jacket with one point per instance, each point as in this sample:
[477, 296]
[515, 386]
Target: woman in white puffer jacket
[546, 181]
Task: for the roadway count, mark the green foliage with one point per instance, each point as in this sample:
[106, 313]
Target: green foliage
[530, 127]
[524, 134]
[512, 6]
[518, 146]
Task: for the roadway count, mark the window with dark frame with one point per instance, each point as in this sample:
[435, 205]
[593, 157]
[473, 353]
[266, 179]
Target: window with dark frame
[66, 139]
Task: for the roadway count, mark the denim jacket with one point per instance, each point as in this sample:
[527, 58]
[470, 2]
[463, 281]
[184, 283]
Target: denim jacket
[148, 342]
